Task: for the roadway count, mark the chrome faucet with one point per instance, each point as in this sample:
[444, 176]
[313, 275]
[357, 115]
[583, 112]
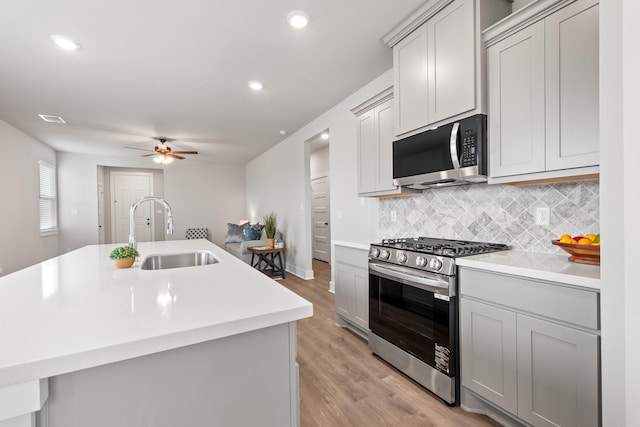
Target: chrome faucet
[132, 221]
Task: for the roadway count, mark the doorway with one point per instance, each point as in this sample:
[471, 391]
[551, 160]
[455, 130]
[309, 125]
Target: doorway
[320, 197]
[126, 188]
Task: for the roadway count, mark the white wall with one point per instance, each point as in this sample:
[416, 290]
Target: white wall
[620, 201]
[205, 195]
[20, 242]
[278, 180]
[201, 194]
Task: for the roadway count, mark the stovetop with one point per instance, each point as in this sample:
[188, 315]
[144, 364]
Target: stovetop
[443, 247]
[428, 254]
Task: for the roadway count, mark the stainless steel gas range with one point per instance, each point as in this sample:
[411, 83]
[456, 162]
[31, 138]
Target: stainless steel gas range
[413, 308]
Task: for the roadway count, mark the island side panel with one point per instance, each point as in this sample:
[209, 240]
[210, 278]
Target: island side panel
[242, 380]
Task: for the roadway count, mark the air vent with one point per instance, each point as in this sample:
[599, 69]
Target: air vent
[51, 119]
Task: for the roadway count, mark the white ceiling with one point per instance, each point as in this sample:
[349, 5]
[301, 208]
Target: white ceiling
[180, 69]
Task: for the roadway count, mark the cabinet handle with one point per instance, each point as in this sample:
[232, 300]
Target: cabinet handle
[453, 145]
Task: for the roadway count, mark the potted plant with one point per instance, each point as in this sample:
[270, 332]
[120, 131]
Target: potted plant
[270, 228]
[123, 256]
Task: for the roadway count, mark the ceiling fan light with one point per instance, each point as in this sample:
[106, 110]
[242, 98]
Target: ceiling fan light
[65, 42]
[255, 84]
[298, 19]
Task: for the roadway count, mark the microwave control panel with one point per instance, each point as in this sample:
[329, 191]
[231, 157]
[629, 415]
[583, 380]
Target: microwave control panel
[469, 154]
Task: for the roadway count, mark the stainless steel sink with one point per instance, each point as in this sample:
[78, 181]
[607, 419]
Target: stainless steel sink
[187, 259]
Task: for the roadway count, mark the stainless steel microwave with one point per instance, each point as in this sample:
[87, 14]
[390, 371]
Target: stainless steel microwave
[451, 154]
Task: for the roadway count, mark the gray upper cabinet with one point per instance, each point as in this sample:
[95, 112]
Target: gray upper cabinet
[375, 146]
[438, 62]
[410, 82]
[516, 107]
[572, 86]
[451, 61]
[543, 92]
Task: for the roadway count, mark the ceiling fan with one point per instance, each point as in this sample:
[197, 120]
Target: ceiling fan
[163, 153]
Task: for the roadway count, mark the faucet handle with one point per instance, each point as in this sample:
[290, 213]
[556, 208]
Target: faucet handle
[170, 226]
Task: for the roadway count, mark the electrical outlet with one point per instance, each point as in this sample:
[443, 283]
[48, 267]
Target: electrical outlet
[393, 216]
[542, 216]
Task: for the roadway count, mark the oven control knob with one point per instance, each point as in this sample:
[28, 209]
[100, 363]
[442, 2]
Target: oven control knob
[435, 264]
[375, 252]
[421, 261]
[385, 254]
[401, 257]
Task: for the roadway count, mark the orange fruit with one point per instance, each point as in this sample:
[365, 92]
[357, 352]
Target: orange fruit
[565, 240]
[585, 241]
[573, 242]
[565, 237]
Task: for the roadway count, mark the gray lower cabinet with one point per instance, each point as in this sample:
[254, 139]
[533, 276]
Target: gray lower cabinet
[537, 366]
[352, 288]
[489, 353]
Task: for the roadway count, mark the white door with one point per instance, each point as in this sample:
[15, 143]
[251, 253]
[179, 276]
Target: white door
[126, 188]
[321, 227]
[100, 212]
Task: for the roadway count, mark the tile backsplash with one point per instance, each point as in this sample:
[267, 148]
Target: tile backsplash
[496, 213]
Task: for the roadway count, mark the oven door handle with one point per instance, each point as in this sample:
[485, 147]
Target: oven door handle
[425, 281]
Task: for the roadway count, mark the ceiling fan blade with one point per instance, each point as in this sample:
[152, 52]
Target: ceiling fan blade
[148, 155]
[175, 156]
[184, 152]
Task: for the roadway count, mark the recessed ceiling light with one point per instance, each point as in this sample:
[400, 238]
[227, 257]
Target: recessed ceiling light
[51, 119]
[65, 42]
[255, 84]
[283, 132]
[325, 136]
[298, 19]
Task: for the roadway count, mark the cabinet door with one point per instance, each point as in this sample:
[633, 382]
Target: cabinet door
[557, 374]
[451, 52]
[367, 153]
[488, 353]
[572, 86]
[384, 131]
[516, 103]
[344, 290]
[360, 301]
[410, 81]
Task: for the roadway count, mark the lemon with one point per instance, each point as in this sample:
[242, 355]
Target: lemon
[585, 241]
[565, 237]
[591, 237]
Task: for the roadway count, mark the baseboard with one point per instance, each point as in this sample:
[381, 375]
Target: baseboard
[301, 273]
[332, 286]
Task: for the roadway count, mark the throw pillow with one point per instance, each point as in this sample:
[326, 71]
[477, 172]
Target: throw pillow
[234, 233]
[252, 231]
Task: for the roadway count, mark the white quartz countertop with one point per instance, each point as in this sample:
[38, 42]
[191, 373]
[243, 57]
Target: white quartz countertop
[78, 311]
[550, 267]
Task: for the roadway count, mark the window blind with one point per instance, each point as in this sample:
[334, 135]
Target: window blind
[48, 200]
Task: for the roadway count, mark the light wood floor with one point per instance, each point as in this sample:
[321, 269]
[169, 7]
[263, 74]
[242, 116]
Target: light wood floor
[343, 384]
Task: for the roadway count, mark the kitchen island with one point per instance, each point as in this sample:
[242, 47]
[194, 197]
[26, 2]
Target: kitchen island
[84, 343]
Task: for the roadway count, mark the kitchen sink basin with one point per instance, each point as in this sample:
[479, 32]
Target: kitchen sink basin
[187, 259]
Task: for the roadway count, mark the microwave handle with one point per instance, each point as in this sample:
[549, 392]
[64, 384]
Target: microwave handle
[453, 145]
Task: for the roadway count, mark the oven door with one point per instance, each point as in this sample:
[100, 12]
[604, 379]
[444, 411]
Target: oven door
[415, 314]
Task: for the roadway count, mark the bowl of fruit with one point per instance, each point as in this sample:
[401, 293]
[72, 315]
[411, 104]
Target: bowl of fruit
[583, 249]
